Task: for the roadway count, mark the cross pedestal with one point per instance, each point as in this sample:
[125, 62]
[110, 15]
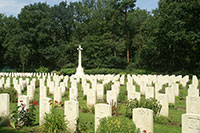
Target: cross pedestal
[79, 69]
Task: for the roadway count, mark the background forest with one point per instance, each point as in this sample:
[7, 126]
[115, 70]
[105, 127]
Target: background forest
[113, 34]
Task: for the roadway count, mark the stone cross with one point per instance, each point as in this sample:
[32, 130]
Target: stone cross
[79, 56]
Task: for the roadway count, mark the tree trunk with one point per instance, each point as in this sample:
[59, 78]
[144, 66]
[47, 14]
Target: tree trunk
[23, 67]
[115, 53]
[127, 41]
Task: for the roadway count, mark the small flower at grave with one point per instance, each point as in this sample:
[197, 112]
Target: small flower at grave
[35, 102]
[56, 101]
[144, 131]
[21, 100]
[60, 103]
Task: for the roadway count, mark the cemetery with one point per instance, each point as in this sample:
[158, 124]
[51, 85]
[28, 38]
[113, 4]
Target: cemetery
[48, 102]
[147, 103]
[99, 66]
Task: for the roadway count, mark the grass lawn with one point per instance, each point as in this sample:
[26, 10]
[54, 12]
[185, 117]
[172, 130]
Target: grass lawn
[174, 126]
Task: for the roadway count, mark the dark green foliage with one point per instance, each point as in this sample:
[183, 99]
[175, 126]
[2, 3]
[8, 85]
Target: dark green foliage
[122, 95]
[53, 123]
[162, 120]
[12, 93]
[22, 117]
[113, 34]
[85, 126]
[103, 71]
[4, 121]
[107, 87]
[172, 106]
[116, 125]
[42, 69]
[68, 71]
[151, 103]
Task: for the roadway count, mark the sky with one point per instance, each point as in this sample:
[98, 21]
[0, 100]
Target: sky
[13, 7]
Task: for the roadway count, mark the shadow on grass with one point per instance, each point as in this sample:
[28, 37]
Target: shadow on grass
[9, 130]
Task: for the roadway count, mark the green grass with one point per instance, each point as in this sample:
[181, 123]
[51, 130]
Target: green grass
[174, 125]
[166, 129]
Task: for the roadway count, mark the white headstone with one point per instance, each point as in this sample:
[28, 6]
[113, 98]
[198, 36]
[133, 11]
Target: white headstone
[45, 107]
[101, 111]
[193, 105]
[71, 114]
[111, 97]
[23, 99]
[100, 91]
[143, 119]
[193, 92]
[190, 123]
[133, 95]
[4, 104]
[73, 94]
[171, 94]
[149, 93]
[91, 97]
[30, 92]
[163, 99]
[57, 94]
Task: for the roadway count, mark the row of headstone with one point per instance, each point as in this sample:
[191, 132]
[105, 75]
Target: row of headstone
[191, 120]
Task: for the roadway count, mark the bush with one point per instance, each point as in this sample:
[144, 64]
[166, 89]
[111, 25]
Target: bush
[54, 123]
[68, 71]
[103, 71]
[172, 106]
[4, 121]
[21, 116]
[42, 69]
[85, 126]
[107, 87]
[116, 125]
[151, 103]
[12, 92]
[162, 120]
[84, 108]
[122, 96]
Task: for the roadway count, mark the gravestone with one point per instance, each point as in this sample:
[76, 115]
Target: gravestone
[87, 87]
[43, 91]
[73, 94]
[45, 108]
[163, 99]
[30, 92]
[143, 119]
[71, 114]
[100, 91]
[190, 123]
[111, 97]
[23, 99]
[101, 111]
[91, 97]
[171, 94]
[4, 104]
[175, 86]
[193, 105]
[149, 92]
[193, 92]
[133, 95]
[57, 94]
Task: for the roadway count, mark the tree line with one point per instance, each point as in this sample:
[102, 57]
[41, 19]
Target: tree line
[113, 34]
